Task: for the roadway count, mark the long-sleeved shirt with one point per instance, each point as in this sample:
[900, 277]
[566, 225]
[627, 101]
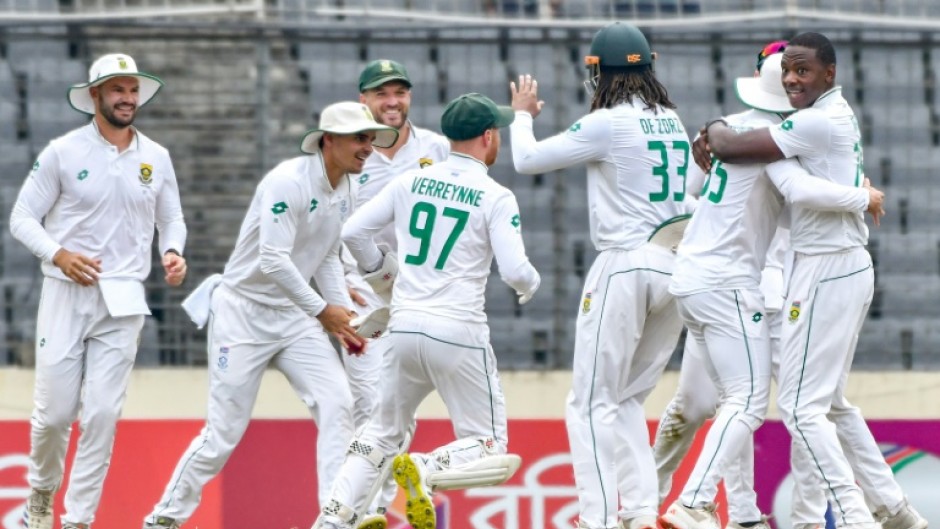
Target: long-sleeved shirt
[636, 163]
[85, 196]
[290, 235]
[451, 219]
[826, 141]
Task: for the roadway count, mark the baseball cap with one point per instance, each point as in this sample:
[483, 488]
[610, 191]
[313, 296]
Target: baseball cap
[765, 92]
[382, 71]
[347, 117]
[107, 67]
[470, 115]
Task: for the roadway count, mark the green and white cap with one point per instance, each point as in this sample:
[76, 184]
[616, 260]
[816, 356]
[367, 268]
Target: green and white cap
[382, 71]
[108, 67]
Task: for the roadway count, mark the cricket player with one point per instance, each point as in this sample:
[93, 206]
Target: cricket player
[637, 153]
[88, 210]
[717, 282]
[451, 219]
[831, 283]
[384, 87]
[264, 311]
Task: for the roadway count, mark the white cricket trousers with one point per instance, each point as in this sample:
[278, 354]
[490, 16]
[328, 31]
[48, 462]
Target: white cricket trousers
[84, 359]
[627, 328]
[731, 329]
[430, 353]
[827, 300]
[244, 338]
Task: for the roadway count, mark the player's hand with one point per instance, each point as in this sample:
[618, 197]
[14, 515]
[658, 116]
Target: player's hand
[876, 202]
[701, 151]
[525, 95]
[356, 297]
[175, 267]
[77, 267]
[335, 320]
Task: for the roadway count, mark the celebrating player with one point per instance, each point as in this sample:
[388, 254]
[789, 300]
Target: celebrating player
[384, 87]
[637, 152]
[264, 311]
[451, 219]
[101, 190]
[831, 285]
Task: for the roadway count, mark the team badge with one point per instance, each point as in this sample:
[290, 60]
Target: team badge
[787, 125]
[634, 58]
[122, 63]
[586, 303]
[364, 178]
[794, 312]
[223, 358]
[516, 221]
[757, 317]
[424, 162]
[313, 204]
[83, 174]
[146, 173]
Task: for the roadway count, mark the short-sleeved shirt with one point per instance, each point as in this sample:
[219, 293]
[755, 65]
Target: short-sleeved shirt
[726, 242]
[450, 219]
[825, 139]
[291, 233]
[636, 159]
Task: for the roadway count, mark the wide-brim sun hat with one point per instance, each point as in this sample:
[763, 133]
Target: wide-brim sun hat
[344, 118]
[108, 67]
[765, 92]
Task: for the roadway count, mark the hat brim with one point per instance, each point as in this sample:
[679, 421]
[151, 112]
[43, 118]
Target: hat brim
[382, 80]
[384, 137]
[79, 95]
[505, 118]
[750, 93]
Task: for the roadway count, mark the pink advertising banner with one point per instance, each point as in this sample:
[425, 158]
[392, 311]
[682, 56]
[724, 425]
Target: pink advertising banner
[270, 481]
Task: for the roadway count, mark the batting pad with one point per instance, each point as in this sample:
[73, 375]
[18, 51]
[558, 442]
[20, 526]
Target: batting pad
[485, 472]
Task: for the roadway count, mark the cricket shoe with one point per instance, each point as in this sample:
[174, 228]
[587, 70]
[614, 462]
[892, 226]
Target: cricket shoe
[373, 521]
[74, 525]
[639, 522]
[161, 522]
[412, 476]
[905, 518]
[38, 514]
[762, 524]
[679, 516]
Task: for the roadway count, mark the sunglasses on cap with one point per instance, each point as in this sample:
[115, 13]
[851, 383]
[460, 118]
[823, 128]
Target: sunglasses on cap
[776, 46]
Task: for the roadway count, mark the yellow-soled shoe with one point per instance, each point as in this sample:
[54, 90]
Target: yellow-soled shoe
[410, 475]
[373, 521]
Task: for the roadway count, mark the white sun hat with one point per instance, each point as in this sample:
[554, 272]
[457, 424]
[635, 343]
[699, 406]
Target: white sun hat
[765, 92]
[347, 117]
[107, 67]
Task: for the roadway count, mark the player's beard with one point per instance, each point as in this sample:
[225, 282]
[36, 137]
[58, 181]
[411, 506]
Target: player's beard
[403, 120]
[108, 114]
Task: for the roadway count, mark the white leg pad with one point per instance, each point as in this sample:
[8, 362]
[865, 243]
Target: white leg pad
[335, 511]
[369, 452]
[485, 472]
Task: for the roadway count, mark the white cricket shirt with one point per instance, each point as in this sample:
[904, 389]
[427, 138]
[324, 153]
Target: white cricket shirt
[826, 140]
[726, 242]
[422, 149]
[450, 219]
[636, 165]
[100, 203]
[290, 235]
